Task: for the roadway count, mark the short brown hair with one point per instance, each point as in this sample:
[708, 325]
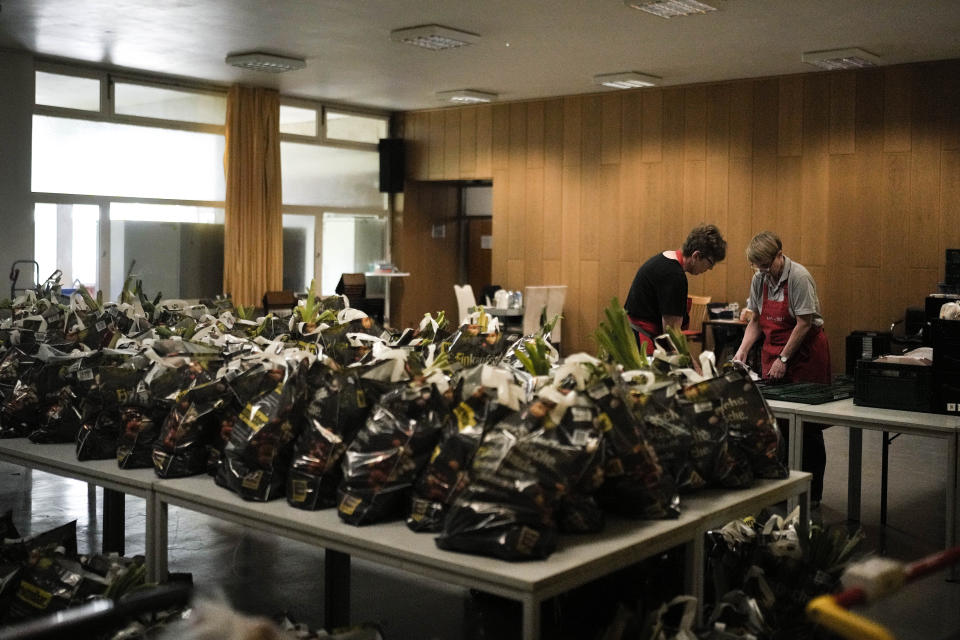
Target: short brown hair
[763, 248]
[706, 239]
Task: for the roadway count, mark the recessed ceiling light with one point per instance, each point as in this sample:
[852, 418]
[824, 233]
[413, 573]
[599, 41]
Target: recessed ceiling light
[841, 59]
[268, 62]
[626, 80]
[670, 8]
[434, 37]
[466, 96]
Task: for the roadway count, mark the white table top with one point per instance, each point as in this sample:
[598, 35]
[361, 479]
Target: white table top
[578, 559]
[61, 459]
[845, 412]
[387, 274]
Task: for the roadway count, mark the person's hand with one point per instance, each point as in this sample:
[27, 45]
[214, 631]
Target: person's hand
[745, 315]
[777, 370]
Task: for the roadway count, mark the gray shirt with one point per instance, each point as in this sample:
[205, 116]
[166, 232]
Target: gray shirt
[802, 291]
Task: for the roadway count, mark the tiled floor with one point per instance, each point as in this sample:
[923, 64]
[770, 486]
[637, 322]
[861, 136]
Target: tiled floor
[264, 574]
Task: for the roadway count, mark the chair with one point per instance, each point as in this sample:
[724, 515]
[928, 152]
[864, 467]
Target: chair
[279, 301]
[543, 303]
[698, 313]
[465, 300]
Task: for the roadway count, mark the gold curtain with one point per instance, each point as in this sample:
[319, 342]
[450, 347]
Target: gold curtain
[253, 223]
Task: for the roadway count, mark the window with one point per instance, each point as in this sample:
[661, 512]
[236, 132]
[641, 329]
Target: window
[330, 176]
[105, 158]
[175, 250]
[298, 121]
[67, 238]
[342, 125]
[299, 232]
[352, 244]
[169, 103]
[147, 163]
[71, 92]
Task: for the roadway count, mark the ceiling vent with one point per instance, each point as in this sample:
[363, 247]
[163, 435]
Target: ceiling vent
[841, 59]
[434, 37]
[466, 96]
[266, 62]
[626, 80]
[670, 8]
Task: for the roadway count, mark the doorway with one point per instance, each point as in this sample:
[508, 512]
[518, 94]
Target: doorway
[476, 236]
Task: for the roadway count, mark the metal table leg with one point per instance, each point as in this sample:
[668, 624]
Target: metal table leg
[531, 619]
[113, 521]
[854, 467]
[336, 591]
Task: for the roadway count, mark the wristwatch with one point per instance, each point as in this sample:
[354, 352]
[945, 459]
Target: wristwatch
[783, 358]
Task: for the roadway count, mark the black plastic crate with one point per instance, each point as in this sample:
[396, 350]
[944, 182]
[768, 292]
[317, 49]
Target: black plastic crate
[866, 345]
[893, 385]
[946, 365]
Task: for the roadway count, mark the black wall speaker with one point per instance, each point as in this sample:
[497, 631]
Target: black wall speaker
[391, 165]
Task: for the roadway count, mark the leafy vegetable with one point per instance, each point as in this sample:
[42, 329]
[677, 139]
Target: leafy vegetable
[617, 340]
[535, 359]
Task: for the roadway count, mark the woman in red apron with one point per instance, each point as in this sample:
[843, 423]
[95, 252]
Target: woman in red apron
[795, 347]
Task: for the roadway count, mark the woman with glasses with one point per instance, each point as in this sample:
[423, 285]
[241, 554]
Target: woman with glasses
[658, 296]
[786, 312]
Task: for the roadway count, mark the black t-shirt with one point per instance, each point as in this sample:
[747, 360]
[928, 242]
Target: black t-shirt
[659, 289]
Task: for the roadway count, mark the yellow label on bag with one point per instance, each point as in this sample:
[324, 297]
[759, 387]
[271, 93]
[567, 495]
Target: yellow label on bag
[34, 595]
[466, 417]
[299, 490]
[349, 504]
[252, 480]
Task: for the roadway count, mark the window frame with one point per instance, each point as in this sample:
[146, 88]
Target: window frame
[107, 113]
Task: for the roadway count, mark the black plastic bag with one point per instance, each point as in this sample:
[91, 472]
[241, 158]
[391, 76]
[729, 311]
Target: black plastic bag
[338, 405]
[447, 473]
[712, 454]
[100, 431]
[383, 461]
[257, 456]
[636, 482]
[182, 447]
[521, 473]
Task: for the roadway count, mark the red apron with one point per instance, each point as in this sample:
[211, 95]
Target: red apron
[811, 362]
[647, 331]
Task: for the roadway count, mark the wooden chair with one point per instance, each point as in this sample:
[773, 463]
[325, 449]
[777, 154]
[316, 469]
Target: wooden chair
[698, 313]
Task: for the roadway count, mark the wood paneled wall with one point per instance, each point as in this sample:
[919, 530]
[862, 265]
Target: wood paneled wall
[858, 172]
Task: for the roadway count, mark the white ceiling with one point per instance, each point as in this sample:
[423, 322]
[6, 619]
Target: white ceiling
[528, 48]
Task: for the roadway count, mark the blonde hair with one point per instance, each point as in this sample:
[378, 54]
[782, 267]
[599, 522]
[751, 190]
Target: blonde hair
[763, 248]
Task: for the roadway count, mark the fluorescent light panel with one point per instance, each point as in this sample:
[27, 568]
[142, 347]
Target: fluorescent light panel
[834, 59]
[626, 80]
[266, 62]
[670, 8]
[466, 96]
[434, 37]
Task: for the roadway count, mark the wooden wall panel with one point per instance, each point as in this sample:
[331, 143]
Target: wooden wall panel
[843, 97]
[652, 125]
[859, 172]
[484, 143]
[611, 132]
[897, 82]
[468, 143]
[695, 123]
[950, 201]
[553, 186]
[790, 116]
[435, 145]
[535, 137]
[451, 144]
[766, 117]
